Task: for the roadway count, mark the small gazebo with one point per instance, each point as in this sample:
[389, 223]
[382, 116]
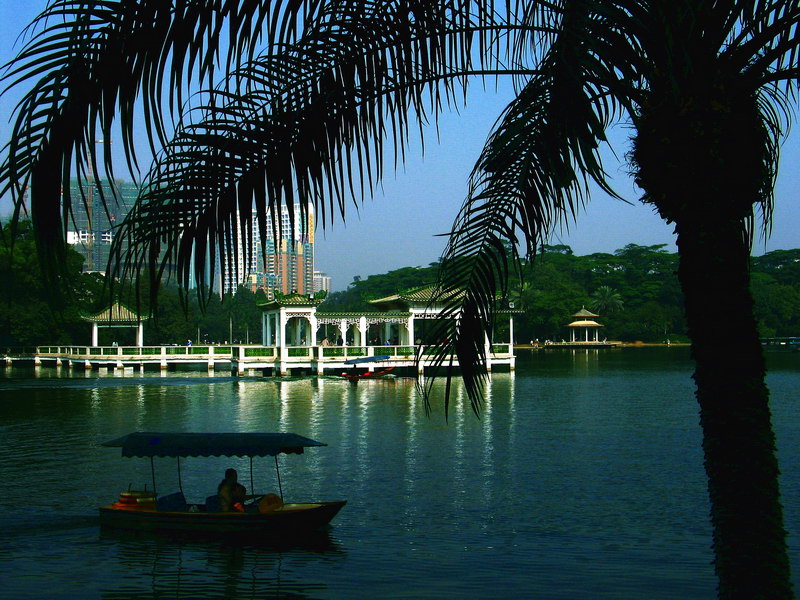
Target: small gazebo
[117, 316]
[584, 328]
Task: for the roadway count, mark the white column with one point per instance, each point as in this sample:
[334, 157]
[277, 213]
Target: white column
[362, 331]
[511, 333]
[314, 327]
[140, 334]
[281, 333]
[410, 327]
[264, 329]
[94, 334]
[320, 358]
[343, 331]
[298, 324]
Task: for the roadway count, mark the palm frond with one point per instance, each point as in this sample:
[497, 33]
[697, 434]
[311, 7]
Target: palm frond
[532, 175]
[88, 63]
[309, 124]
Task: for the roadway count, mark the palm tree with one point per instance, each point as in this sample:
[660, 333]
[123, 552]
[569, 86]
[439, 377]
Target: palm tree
[315, 93]
[606, 300]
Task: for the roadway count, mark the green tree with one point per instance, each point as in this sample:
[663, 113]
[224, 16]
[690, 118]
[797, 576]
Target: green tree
[32, 312]
[606, 300]
[310, 112]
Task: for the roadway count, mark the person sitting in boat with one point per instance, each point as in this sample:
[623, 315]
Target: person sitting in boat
[232, 494]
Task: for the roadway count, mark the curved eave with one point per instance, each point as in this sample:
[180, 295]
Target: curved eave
[585, 324]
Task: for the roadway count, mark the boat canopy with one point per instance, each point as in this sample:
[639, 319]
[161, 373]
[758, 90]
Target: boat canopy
[142, 444]
[366, 359]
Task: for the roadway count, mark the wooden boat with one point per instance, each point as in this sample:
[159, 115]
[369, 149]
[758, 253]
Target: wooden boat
[146, 511]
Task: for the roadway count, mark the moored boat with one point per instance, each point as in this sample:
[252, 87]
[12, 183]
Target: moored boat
[355, 376]
[145, 511]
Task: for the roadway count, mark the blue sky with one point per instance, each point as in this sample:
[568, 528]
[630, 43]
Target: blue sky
[401, 225]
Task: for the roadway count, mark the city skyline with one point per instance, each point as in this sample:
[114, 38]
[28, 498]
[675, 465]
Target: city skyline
[403, 224]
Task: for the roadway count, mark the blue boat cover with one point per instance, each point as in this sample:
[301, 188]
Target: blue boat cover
[366, 359]
[142, 443]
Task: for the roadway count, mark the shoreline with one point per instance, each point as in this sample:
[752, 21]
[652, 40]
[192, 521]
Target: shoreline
[612, 343]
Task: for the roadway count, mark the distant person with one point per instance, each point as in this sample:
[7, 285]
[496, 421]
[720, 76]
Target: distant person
[232, 494]
[188, 342]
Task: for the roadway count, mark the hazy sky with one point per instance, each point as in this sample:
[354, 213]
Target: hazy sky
[401, 225]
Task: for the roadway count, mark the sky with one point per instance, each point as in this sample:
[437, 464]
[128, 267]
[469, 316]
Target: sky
[404, 222]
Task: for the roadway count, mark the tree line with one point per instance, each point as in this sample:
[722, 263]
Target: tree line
[634, 290]
[32, 313]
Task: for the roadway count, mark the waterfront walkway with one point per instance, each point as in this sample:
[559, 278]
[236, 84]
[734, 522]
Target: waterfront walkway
[241, 359]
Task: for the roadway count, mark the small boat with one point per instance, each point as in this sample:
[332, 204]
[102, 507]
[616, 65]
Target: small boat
[354, 377]
[141, 510]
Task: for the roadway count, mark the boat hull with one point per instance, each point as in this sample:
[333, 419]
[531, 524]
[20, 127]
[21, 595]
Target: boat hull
[288, 519]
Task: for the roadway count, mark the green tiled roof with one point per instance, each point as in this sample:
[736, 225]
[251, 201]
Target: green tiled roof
[422, 294]
[345, 315]
[116, 313]
[290, 300]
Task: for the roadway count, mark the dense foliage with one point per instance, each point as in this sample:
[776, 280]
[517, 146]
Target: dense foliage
[31, 314]
[635, 290]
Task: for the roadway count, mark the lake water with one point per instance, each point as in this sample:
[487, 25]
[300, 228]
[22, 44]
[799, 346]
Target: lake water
[583, 478]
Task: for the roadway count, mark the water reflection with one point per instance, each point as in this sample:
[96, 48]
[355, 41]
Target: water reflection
[194, 567]
[573, 483]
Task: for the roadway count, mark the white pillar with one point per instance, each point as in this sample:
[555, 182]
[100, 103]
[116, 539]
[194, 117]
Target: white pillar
[264, 335]
[94, 334]
[511, 333]
[281, 329]
[140, 334]
[343, 331]
[410, 327]
[362, 331]
[314, 327]
[298, 325]
[320, 359]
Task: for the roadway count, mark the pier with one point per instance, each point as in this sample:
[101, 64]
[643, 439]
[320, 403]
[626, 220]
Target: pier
[242, 360]
[295, 338]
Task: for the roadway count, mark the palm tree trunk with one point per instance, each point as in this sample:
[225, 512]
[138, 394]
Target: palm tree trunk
[738, 441]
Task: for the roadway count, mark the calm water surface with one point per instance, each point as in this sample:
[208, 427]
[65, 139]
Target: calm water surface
[583, 478]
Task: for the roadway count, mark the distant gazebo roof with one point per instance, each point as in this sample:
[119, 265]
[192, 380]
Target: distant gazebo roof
[583, 319]
[585, 323]
[295, 300]
[116, 313]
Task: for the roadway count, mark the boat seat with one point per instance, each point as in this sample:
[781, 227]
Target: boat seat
[212, 503]
[172, 502]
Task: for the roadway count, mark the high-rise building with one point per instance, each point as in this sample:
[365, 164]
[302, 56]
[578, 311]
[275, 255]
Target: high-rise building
[290, 259]
[243, 268]
[286, 264]
[322, 283]
[91, 230]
